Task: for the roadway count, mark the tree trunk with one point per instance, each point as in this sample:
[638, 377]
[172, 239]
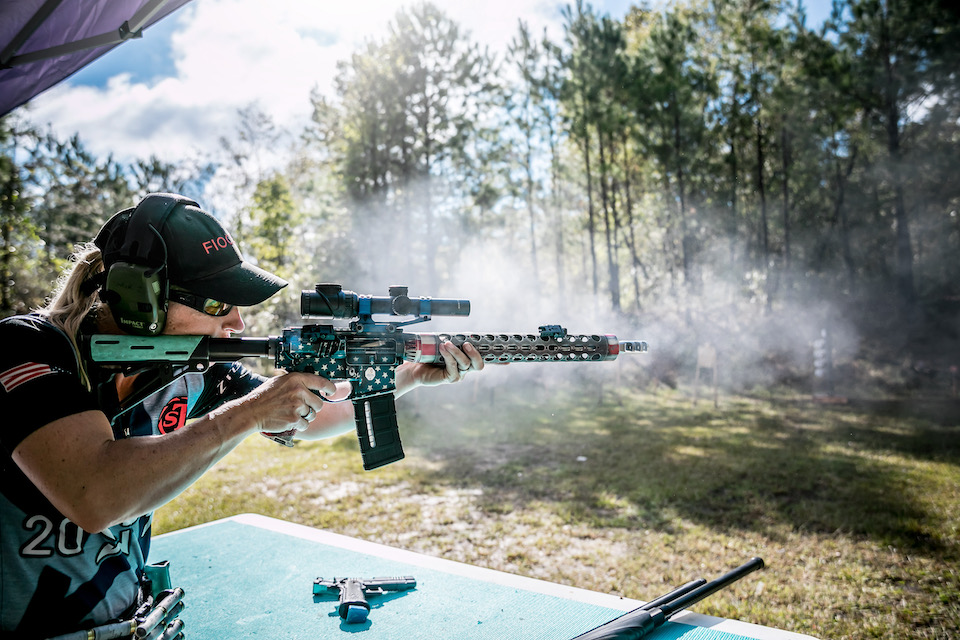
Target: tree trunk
[430, 250]
[630, 237]
[686, 242]
[787, 161]
[591, 216]
[904, 250]
[734, 170]
[761, 192]
[612, 264]
[840, 216]
[532, 213]
[557, 212]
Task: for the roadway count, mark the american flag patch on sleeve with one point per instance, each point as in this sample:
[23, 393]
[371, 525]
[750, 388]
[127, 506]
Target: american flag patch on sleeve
[13, 378]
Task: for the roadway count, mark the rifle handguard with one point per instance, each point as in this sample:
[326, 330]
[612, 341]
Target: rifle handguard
[503, 347]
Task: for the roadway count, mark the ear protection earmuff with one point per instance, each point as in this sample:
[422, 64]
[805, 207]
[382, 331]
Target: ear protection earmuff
[136, 283]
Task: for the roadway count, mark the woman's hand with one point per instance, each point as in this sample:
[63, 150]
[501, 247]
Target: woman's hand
[457, 363]
[286, 402]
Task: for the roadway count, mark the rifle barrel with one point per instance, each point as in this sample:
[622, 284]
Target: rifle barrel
[711, 587]
[636, 624]
[673, 595]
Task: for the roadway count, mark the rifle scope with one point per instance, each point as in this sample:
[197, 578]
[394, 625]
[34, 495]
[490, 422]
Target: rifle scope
[331, 301]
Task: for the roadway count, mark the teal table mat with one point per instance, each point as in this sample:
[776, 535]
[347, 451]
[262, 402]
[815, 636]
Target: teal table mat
[246, 581]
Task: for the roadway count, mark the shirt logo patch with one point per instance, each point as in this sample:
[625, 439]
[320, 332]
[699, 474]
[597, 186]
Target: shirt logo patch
[13, 378]
[174, 415]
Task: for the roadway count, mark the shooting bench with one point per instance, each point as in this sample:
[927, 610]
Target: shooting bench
[251, 576]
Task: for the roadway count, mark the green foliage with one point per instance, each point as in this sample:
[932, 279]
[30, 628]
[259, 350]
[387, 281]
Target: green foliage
[80, 191]
[156, 176]
[406, 109]
[17, 234]
[26, 267]
[277, 220]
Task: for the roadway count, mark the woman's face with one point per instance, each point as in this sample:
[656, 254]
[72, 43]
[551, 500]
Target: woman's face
[184, 320]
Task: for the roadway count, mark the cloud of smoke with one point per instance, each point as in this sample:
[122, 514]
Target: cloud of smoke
[758, 345]
[764, 335]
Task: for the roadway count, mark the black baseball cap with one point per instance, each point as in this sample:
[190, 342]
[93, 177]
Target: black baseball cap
[200, 255]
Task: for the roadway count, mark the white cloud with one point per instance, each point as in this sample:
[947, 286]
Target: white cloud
[228, 54]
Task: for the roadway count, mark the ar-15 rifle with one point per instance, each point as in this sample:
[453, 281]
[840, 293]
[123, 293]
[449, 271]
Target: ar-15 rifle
[365, 352]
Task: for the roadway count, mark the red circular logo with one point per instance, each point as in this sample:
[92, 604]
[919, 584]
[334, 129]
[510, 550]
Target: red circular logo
[174, 415]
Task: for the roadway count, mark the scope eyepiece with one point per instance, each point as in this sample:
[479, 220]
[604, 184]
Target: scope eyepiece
[331, 301]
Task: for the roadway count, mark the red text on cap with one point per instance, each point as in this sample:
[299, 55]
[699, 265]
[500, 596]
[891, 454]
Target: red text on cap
[221, 242]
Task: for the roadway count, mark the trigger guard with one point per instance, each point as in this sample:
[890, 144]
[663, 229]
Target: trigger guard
[349, 396]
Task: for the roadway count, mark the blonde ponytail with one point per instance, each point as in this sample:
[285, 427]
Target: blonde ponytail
[72, 302]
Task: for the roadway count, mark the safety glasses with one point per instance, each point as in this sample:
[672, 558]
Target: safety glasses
[209, 306]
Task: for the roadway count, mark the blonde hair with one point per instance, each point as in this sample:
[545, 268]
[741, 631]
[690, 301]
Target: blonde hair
[72, 302]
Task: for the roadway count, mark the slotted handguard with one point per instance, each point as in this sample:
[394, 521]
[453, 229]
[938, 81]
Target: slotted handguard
[514, 347]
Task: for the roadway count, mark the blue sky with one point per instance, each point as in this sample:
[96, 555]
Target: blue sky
[146, 59]
[177, 90]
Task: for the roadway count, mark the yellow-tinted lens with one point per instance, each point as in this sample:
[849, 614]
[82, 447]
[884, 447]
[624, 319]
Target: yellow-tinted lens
[216, 308]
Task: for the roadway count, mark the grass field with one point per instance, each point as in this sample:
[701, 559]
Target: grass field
[854, 507]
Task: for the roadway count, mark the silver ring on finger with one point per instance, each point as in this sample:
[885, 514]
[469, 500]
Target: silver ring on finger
[309, 415]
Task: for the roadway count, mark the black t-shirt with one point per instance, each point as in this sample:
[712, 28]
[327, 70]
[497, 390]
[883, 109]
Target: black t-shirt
[55, 577]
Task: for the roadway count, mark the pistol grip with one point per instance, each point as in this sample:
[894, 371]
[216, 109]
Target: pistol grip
[353, 607]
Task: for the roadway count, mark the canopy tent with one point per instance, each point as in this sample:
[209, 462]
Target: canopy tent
[42, 42]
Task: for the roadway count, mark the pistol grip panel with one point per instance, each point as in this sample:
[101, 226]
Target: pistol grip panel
[377, 430]
[353, 607]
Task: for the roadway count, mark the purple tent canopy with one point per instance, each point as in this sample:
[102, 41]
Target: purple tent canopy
[44, 41]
